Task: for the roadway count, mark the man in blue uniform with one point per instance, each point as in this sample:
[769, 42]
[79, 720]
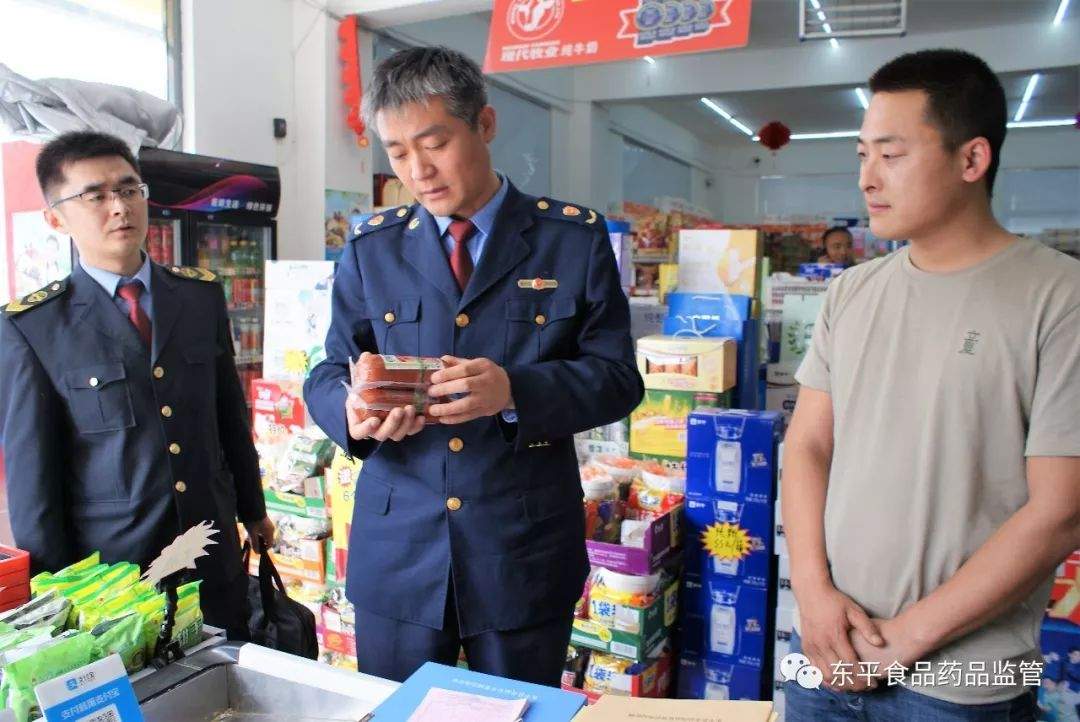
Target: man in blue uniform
[124, 421]
[470, 532]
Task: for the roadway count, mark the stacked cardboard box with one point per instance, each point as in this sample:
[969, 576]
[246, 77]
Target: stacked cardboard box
[727, 599]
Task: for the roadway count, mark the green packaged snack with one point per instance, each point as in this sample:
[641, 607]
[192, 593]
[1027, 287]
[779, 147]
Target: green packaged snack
[54, 614]
[121, 603]
[11, 616]
[63, 583]
[81, 566]
[51, 661]
[123, 636]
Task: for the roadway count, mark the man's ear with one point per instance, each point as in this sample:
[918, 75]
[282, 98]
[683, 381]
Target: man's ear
[486, 122]
[55, 221]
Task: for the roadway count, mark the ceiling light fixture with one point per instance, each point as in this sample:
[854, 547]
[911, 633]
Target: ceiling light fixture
[726, 116]
[1060, 14]
[649, 59]
[1032, 82]
[863, 100]
[1052, 123]
[1055, 123]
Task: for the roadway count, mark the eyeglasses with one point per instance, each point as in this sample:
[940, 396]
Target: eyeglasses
[98, 198]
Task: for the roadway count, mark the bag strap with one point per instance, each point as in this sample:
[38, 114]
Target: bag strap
[269, 582]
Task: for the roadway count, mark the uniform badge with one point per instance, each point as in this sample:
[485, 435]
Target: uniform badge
[402, 212]
[413, 224]
[543, 205]
[538, 284]
[592, 216]
[571, 211]
[376, 221]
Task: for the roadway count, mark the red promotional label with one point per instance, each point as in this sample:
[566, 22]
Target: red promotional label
[531, 34]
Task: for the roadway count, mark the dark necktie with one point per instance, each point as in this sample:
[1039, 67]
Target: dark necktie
[460, 261]
[130, 292]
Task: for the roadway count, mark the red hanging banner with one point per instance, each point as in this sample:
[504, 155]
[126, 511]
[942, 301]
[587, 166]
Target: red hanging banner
[531, 34]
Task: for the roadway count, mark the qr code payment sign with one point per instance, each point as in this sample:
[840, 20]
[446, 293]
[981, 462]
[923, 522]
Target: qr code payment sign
[109, 714]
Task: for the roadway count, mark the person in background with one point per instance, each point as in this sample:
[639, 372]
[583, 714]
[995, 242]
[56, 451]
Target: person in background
[470, 532]
[839, 247]
[931, 478]
[123, 419]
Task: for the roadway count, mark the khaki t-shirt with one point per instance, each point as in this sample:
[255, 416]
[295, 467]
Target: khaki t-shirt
[941, 385]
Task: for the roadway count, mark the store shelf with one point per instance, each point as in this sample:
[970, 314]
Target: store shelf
[245, 308]
[238, 272]
[249, 359]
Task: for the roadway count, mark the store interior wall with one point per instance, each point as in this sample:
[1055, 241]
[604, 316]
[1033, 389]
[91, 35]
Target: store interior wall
[247, 62]
[819, 174]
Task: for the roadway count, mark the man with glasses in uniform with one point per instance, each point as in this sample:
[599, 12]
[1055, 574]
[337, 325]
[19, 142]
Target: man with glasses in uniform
[124, 421]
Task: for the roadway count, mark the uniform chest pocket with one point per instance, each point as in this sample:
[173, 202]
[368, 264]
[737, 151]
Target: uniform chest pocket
[538, 330]
[396, 324]
[99, 398]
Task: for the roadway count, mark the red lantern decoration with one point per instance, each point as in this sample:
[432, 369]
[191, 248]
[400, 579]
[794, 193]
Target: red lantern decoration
[774, 136]
[350, 77]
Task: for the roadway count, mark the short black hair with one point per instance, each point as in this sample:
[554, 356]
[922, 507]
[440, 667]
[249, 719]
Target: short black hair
[836, 229]
[965, 99]
[73, 147]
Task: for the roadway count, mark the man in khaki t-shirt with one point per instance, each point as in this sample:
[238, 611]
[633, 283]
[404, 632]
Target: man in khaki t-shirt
[932, 468]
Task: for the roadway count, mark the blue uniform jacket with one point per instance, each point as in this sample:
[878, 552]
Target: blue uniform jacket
[496, 504]
[112, 447]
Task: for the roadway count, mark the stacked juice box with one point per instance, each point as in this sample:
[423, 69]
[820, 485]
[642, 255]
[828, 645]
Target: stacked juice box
[726, 606]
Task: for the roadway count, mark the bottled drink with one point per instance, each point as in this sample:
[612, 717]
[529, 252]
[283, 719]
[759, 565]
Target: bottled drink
[168, 255]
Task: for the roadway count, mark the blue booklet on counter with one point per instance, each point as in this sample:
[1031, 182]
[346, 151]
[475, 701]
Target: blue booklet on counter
[545, 704]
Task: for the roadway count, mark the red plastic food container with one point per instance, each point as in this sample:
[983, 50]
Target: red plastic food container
[14, 578]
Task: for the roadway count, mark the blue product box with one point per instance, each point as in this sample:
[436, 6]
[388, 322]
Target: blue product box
[699, 679]
[710, 315]
[725, 622]
[820, 271]
[1060, 643]
[732, 453]
[754, 518]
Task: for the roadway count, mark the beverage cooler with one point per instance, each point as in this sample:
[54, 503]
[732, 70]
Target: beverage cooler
[217, 214]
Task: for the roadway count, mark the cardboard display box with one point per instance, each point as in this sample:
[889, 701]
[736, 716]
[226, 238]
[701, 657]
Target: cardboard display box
[662, 540]
[725, 622]
[732, 453]
[639, 631]
[687, 364]
[699, 679]
[658, 424]
[754, 522]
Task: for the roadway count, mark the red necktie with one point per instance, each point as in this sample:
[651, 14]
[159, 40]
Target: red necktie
[130, 292]
[460, 261]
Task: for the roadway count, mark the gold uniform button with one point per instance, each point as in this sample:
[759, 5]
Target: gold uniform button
[389, 317]
[94, 381]
[540, 319]
[456, 444]
[453, 503]
[180, 486]
[174, 449]
[462, 320]
[158, 372]
[166, 411]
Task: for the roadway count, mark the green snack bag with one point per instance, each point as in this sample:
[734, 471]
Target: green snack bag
[64, 581]
[81, 566]
[77, 568]
[49, 662]
[54, 614]
[123, 636]
[13, 615]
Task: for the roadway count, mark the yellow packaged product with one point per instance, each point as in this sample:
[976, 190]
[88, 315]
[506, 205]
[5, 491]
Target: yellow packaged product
[601, 676]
